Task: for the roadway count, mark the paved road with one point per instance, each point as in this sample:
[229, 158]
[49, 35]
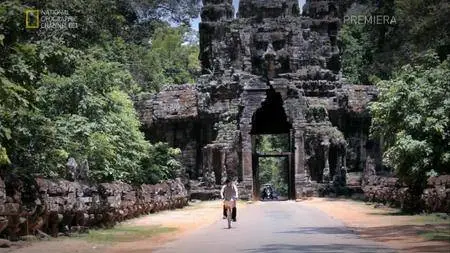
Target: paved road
[274, 227]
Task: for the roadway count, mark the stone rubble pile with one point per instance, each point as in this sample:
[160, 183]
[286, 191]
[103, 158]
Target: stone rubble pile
[205, 194]
[436, 196]
[61, 206]
[389, 190]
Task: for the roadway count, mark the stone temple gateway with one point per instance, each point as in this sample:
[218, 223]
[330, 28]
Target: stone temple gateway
[269, 70]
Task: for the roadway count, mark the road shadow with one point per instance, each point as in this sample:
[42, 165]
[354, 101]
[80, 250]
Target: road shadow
[335, 248]
[390, 233]
[394, 213]
[335, 199]
[428, 249]
[319, 230]
[413, 238]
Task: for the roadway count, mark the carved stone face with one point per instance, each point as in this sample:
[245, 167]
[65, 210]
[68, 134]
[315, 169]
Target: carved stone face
[268, 9]
[270, 55]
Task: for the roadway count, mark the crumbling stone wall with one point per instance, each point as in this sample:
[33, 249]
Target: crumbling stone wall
[436, 197]
[61, 206]
[3, 219]
[389, 190]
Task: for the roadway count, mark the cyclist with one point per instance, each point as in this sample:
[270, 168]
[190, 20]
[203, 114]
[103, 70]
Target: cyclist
[229, 192]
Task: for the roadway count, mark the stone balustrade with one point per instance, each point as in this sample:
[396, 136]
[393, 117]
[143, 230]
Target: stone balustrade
[61, 206]
[389, 190]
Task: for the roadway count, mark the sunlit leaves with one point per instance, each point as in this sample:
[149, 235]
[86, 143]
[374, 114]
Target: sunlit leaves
[162, 163]
[413, 116]
[95, 120]
[4, 156]
[169, 61]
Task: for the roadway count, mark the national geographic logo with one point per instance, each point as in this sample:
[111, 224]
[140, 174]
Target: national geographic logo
[51, 19]
[32, 19]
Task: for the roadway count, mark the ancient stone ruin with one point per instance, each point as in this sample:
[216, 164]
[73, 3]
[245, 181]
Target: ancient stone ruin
[272, 69]
[390, 191]
[53, 207]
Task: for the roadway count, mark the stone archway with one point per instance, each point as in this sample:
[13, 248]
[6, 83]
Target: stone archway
[271, 118]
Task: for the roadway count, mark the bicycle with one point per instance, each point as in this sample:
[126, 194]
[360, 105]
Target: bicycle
[229, 204]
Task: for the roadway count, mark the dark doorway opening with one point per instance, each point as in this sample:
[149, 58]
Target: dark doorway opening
[271, 118]
[274, 170]
[270, 124]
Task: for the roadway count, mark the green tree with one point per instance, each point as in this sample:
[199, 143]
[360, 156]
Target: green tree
[356, 48]
[379, 49]
[67, 92]
[273, 170]
[102, 20]
[169, 60]
[412, 114]
[164, 60]
[162, 163]
[94, 120]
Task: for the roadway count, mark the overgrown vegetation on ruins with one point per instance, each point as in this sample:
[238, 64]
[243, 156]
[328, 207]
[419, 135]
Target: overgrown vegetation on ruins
[68, 93]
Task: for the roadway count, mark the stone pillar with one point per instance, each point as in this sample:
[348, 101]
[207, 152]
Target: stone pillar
[362, 150]
[247, 183]
[338, 175]
[344, 163]
[339, 161]
[223, 165]
[247, 157]
[326, 151]
[301, 174]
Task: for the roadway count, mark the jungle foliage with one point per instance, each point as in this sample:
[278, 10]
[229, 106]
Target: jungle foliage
[375, 50]
[273, 170]
[408, 61]
[69, 92]
[413, 116]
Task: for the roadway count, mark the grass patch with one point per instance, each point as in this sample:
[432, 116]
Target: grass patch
[125, 233]
[434, 218]
[437, 235]
[423, 218]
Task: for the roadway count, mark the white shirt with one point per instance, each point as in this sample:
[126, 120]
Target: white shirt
[230, 192]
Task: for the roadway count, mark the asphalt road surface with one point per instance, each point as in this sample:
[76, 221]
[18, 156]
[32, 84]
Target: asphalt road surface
[284, 226]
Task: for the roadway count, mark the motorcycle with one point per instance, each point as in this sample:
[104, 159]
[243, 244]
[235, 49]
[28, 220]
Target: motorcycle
[268, 193]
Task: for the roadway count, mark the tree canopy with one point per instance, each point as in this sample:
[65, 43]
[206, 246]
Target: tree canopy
[413, 116]
[68, 92]
[372, 51]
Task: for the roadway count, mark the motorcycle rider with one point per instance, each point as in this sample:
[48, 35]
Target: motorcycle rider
[267, 192]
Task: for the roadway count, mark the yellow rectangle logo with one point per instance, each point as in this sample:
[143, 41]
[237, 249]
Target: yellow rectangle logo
[31, 19]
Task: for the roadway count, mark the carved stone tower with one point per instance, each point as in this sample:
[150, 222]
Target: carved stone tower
[269, 70]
